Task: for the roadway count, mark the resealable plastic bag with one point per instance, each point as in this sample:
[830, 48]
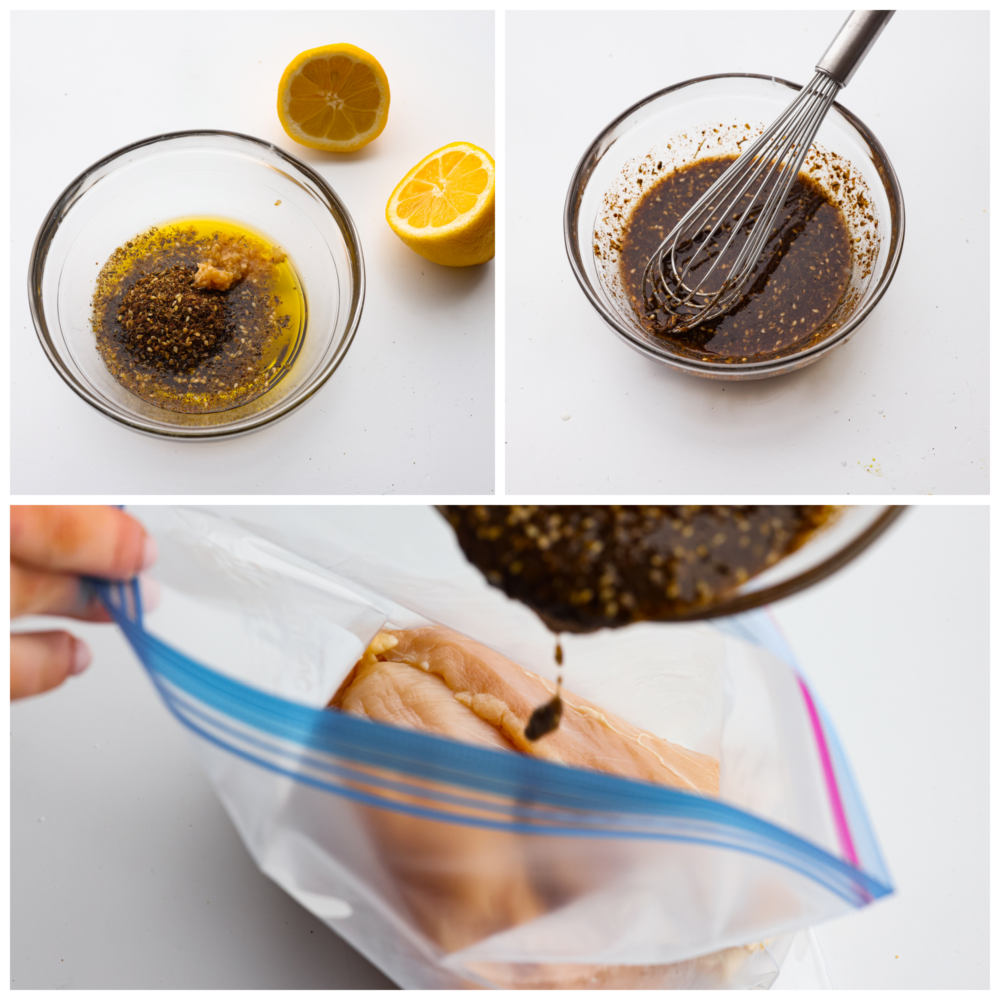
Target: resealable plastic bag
[449, 865]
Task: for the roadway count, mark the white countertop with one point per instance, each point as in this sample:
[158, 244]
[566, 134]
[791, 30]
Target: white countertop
[126, 872]
[411, 409]
[897, 647]
[903, 407]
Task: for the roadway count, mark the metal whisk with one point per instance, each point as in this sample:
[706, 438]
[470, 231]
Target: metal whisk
[677, 279]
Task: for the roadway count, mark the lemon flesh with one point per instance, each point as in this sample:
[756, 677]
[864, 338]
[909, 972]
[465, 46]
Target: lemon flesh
[335, 98]
[444, 208]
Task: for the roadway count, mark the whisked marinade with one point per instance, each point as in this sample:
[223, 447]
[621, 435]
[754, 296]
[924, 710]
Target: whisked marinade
[582, 568]
[198, 315]
[795, 288]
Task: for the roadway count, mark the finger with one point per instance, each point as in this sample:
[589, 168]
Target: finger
[40, 661]
[95, 540]
[35, 592]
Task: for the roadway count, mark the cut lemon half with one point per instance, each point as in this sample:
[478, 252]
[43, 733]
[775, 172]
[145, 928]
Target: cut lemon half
[444, 207]
[335, 97]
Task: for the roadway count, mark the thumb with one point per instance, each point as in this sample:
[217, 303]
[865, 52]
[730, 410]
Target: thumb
[40, 661]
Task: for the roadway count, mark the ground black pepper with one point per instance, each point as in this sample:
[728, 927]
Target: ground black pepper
[169, 323]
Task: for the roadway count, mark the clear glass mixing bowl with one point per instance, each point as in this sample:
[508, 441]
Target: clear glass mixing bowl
[183, 175]
[705, 117]
[837, 543]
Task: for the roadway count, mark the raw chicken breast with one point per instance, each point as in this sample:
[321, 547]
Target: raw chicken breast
[440, 681]
[463, 883]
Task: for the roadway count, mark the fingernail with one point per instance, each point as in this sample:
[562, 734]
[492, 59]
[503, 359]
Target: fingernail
[149, 552]
[81, 657]
[149, 591]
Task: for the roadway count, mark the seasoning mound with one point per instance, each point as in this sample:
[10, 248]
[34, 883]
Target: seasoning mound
[169, 323]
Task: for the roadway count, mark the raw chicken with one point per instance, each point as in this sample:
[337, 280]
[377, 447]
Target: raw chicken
[440, 681]
[463, 883]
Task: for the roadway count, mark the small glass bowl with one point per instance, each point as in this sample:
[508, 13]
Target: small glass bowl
[674, 116]
[834, 545]
[184, 175]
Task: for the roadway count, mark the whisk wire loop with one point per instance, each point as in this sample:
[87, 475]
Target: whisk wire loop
[761, 176]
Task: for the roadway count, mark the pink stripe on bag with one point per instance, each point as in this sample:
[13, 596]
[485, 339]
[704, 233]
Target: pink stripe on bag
[829, 776]
[839, 819]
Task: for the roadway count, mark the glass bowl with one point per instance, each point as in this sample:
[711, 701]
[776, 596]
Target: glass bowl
[834, 545]
[705, 117]
[182, 175]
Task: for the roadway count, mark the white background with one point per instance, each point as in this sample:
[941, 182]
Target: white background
[903, 407]
[411, 408]
[126, 873]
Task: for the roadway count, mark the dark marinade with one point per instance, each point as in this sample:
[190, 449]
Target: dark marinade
[582, 568]
[795, 287]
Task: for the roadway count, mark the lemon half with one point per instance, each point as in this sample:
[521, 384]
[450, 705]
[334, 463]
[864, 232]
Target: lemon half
[444, 208]
[335, 97]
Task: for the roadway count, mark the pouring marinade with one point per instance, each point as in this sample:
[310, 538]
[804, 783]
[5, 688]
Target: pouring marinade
[581, 568]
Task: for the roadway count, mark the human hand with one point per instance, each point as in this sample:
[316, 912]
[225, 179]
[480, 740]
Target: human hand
[50, 548]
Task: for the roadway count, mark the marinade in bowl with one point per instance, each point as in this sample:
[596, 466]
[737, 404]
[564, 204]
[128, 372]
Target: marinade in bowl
[704, 120]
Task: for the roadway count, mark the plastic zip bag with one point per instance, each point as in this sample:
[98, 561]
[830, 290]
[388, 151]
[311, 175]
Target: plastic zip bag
[450, 865]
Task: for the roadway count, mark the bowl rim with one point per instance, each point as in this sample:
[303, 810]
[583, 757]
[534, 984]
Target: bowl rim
[64, 202]
[749, 369]
[808, 577]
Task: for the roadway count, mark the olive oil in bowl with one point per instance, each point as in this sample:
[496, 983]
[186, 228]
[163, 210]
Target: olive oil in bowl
[199, 315]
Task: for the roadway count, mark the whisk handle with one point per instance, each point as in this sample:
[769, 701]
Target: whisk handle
[852, 43]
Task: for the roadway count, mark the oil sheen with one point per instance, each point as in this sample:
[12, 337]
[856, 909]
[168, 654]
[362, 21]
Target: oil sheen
[259, 335]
